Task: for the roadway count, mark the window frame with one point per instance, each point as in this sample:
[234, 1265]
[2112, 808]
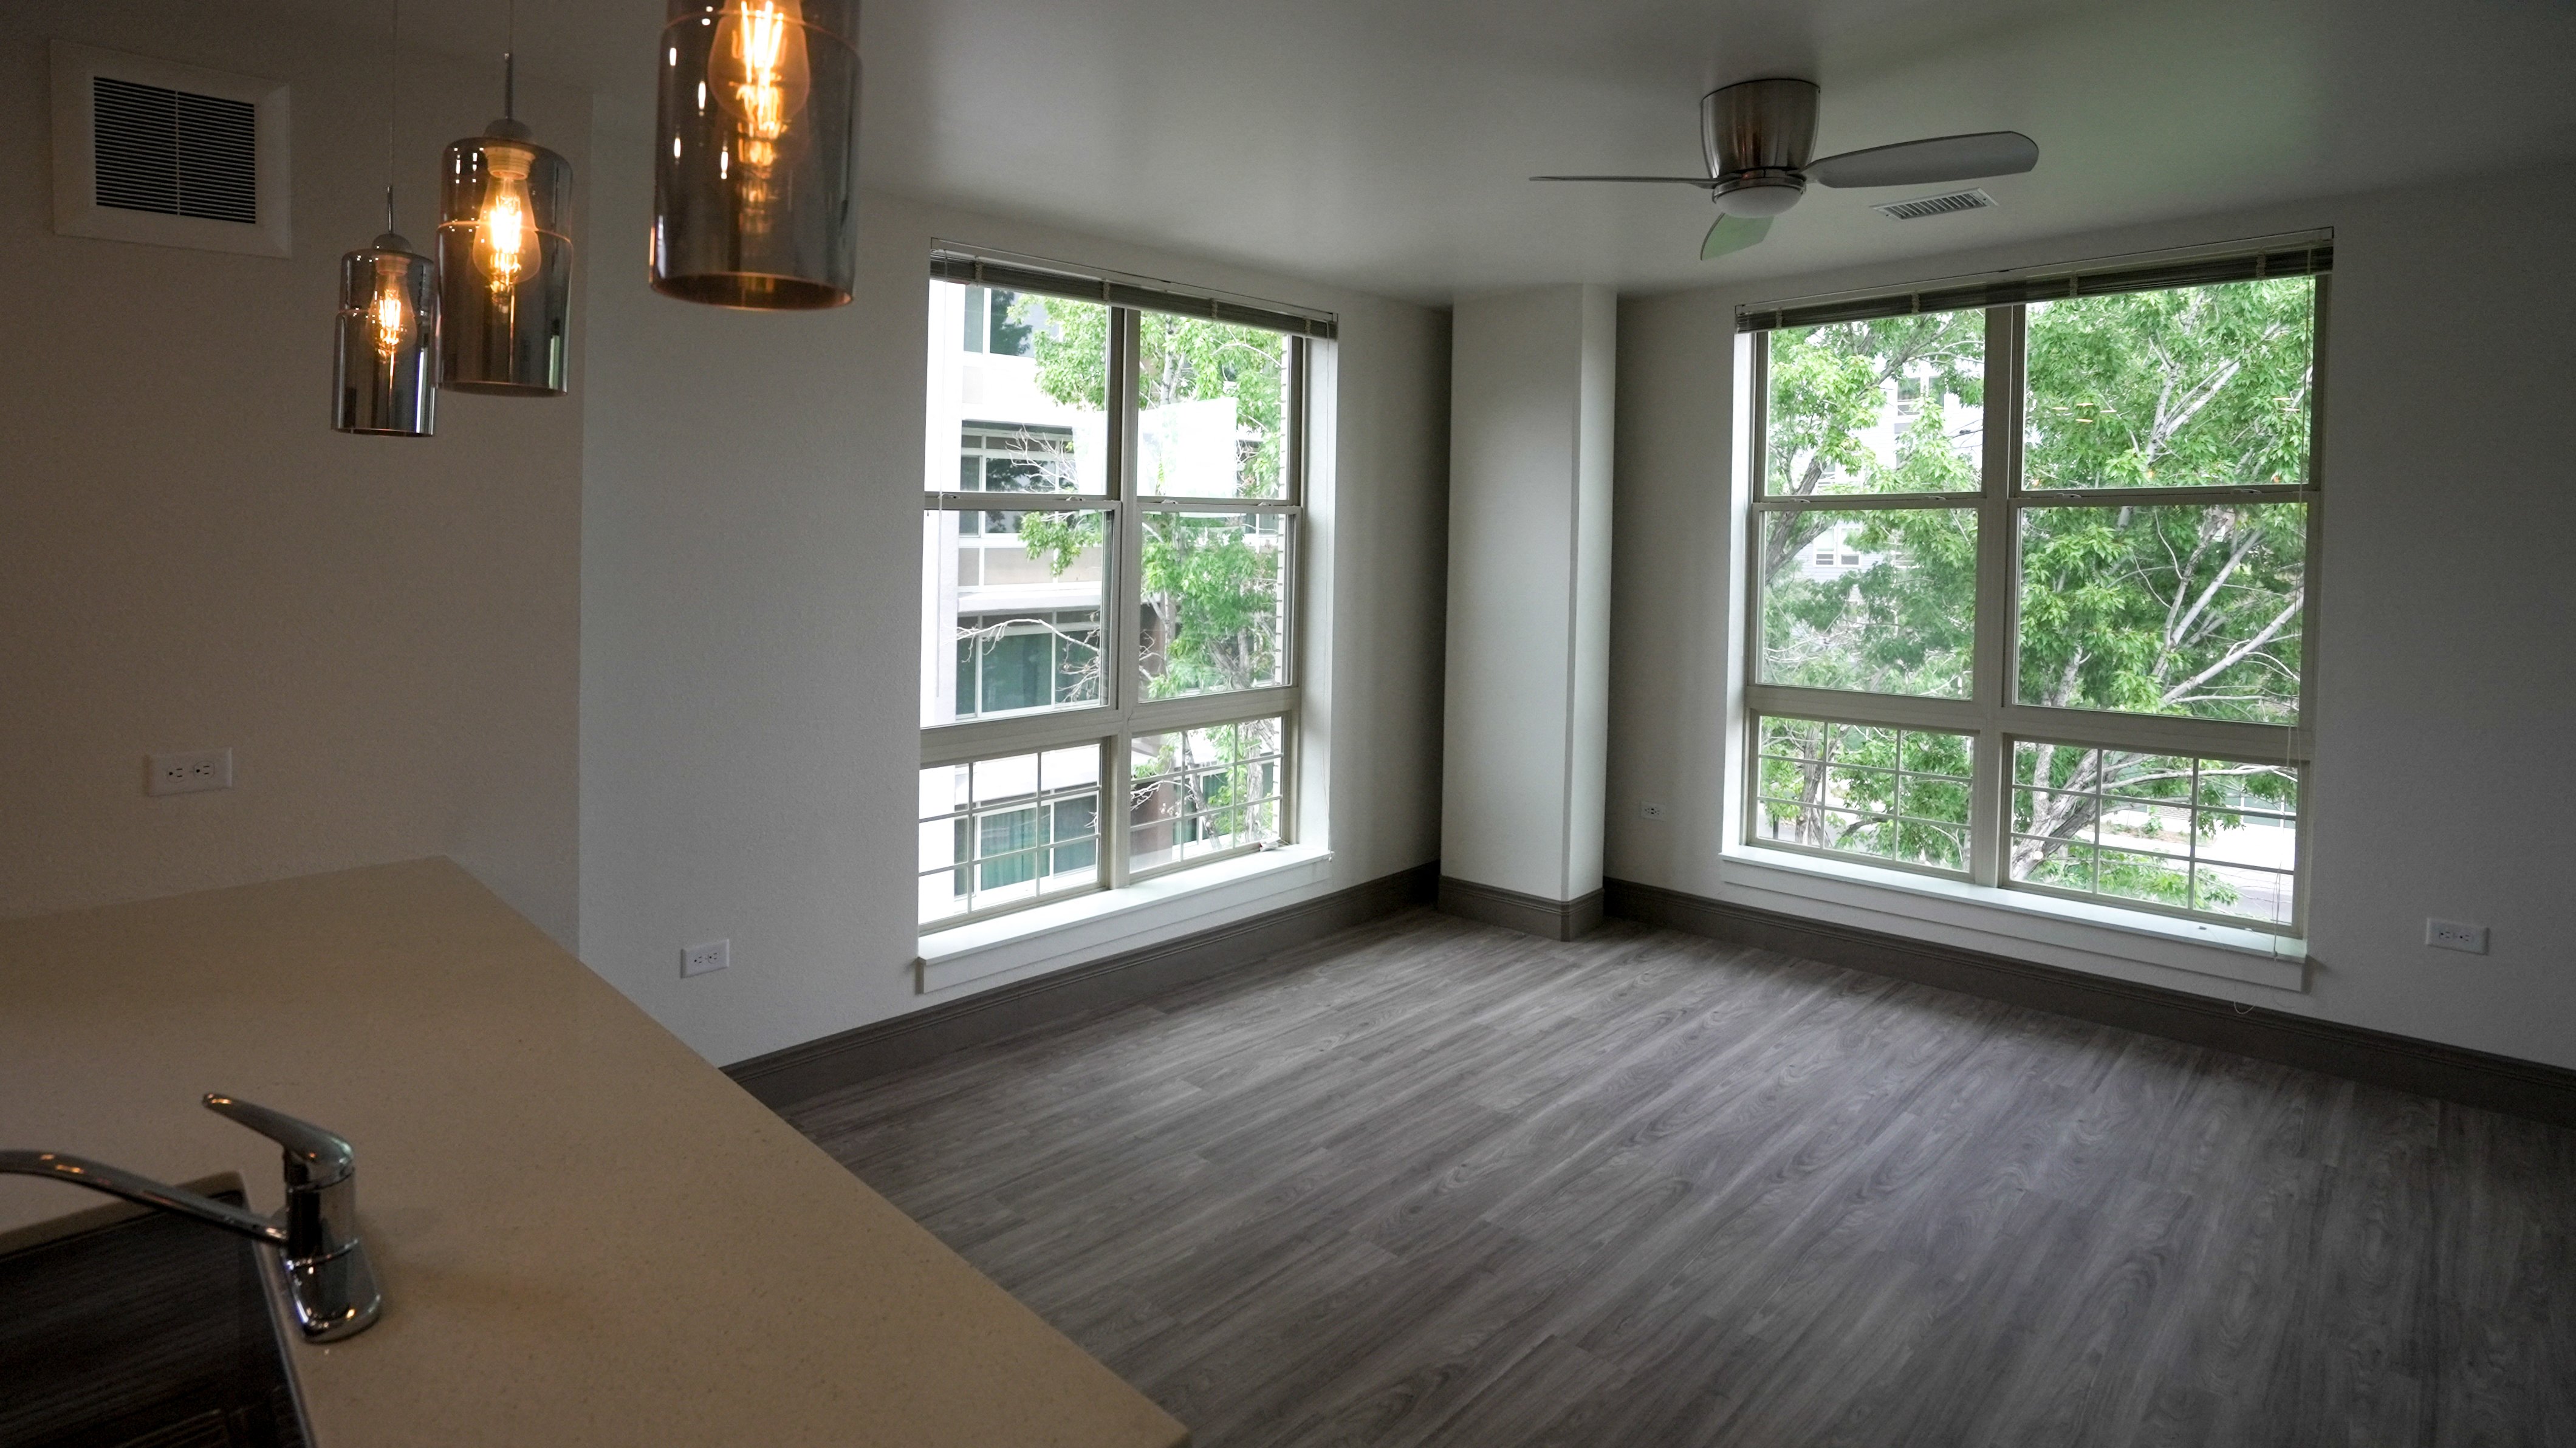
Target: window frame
[1122, 713]
[1991, 715]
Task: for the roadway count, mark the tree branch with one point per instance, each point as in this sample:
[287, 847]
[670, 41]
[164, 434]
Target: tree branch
[2174, 637]
[2298, 598]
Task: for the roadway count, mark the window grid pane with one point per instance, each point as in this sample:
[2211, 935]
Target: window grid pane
[1896, 614]
[1018, 392]
[1211, 409]
[1894, 405]
[1200, 792]
[1874, 792]
[1018, 828]
[2187, 387]
[1215, 606]
[1012, 621]
[2191, 835]
[2190, 610]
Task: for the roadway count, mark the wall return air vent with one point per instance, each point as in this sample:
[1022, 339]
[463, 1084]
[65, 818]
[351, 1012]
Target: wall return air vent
[1921, 207]
[151, 151]
[174, 152]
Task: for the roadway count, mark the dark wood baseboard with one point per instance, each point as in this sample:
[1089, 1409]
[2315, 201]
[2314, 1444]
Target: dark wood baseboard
[1512, 910]
[846, 1057]
[2379, 1058]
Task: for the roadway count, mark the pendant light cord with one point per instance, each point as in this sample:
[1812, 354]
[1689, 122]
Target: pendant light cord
[510, 69]
[393, 107]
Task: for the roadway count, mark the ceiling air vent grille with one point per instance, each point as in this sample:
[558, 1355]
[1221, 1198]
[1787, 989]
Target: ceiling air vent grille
[175, 153]
[1916, 210]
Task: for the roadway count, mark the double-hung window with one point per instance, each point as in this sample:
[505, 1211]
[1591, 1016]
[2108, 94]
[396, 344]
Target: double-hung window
[1110, 554]
[2031, 583]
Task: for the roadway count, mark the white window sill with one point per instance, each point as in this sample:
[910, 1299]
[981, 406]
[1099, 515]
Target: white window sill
[2069, 930]
[1088, 927]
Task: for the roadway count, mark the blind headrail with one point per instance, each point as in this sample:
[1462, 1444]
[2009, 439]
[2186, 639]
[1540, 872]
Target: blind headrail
[2300, 254]
[976, 267]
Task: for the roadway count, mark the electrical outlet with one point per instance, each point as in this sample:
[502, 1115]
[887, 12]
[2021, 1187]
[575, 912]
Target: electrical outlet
[2456, 935]
[699, 959]
[187, 773]
[1649, 810]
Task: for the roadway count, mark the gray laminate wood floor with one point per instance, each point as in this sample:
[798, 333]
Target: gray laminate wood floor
[1430, 1182]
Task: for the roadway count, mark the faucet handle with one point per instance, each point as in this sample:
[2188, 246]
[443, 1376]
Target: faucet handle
[314, 1157]
[327, 1271]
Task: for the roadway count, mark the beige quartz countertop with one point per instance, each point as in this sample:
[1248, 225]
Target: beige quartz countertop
[586, 1234]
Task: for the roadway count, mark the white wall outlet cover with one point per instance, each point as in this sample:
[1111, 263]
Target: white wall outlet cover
[2456, 935]
[699, 959]
[188, 772]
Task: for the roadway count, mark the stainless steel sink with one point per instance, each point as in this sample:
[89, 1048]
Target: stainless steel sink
[146, 1332]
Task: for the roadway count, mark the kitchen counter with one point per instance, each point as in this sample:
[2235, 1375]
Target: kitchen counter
[586, 1234]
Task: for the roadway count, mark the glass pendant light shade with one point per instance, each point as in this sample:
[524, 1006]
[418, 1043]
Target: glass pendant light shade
[753, 200]
[504, 264]
[386, 378]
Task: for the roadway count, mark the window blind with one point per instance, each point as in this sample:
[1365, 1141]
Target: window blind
[2308, 259]
[1019, 275]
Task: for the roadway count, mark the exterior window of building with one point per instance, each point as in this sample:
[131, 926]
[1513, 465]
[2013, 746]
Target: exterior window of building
[2063, 643]
[1110, 532]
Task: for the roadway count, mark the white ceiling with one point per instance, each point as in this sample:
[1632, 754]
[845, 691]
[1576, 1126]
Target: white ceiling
[1383, 144]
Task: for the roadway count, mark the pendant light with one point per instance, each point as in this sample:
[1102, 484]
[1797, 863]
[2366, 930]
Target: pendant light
[504, 263]
[753, 203]
[384, 379]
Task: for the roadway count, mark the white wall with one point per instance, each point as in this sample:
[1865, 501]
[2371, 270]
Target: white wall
[382, 630]
[1531, 407]
[2444, 683]
[750, 554]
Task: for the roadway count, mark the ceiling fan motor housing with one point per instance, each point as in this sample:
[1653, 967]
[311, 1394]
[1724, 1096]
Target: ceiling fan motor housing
[1757, 135]
[1759, 193]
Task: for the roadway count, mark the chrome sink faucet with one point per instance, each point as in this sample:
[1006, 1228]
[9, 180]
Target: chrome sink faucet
[327, 1272]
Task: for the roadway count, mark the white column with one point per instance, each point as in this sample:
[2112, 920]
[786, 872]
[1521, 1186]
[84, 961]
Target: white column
[1527, 712]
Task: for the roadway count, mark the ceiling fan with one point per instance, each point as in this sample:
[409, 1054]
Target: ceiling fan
[1756, 135]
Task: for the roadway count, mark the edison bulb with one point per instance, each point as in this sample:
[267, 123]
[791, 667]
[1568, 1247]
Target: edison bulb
[758, 70]
[506, 246]
[390, 314]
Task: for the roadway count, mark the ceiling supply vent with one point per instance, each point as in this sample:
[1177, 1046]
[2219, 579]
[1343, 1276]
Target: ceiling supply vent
[152, 151]
[173, 152]
[1916, 210]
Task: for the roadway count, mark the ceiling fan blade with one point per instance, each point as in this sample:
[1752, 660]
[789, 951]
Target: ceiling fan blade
[1918, 163]
[1733, 233]
[1701, 181]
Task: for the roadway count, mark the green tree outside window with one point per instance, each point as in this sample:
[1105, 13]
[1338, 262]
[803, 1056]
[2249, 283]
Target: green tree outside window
[2171, 607]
